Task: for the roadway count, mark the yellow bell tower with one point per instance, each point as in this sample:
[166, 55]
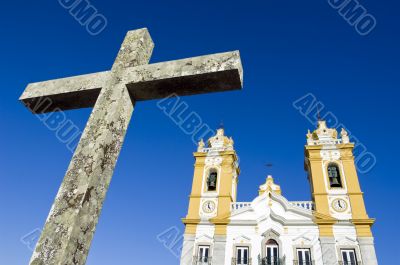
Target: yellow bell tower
[334, 182]
[214, 184]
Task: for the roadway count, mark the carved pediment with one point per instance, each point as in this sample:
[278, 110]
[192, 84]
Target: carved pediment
[271, 233]
[204, 238]
[303, 238]
[347, 240]
[242, 239]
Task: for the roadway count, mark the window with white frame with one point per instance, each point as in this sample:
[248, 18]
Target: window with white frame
[271, 253]
[242, 255]
[304, 256]
[203, 254]
[349, 257]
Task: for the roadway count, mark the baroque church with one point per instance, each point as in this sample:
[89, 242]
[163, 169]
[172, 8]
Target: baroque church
[333, 228]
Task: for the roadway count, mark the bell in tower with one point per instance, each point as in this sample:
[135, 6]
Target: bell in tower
[212, 181]
[334, 176]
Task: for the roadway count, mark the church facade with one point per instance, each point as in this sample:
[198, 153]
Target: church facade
[333, 228]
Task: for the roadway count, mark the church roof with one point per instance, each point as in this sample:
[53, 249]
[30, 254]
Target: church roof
[271, 205]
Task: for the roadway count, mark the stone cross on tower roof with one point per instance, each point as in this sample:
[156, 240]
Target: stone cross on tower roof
[72, 221]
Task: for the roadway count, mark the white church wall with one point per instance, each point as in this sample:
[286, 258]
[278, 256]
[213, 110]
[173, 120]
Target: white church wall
[346, 237]
[243, 235]
[204, 236]
[290, 237]
[304, 237]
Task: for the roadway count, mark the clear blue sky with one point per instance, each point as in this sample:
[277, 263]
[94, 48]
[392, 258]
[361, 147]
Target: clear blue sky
[288, 49]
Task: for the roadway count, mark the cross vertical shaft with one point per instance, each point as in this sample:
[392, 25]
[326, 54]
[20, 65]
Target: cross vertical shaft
[71, 224]
[72, 220]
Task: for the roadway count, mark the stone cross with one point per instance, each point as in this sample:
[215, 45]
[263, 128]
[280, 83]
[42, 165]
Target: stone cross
[72, 220]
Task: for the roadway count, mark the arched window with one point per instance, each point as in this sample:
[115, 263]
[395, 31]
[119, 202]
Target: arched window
[271, 252]
[212, 180]
[272, 242]
[335, 180]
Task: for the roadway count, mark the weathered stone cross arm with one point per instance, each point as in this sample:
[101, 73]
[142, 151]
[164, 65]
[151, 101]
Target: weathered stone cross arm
[203, 74]
[72, 220]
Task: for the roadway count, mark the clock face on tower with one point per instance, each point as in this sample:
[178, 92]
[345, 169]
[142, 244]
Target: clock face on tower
[208, 206]
[339, 205]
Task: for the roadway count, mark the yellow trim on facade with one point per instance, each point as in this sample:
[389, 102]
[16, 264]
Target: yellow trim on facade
[190, 229]
[325, 230]
[363, 226]
[325, 223]
[315, 166]
[225, 193]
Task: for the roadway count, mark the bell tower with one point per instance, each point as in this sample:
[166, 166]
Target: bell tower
[335, 186]
[214, 188]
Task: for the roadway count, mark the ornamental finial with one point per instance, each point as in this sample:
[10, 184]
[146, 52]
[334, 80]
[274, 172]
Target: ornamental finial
[345, 136]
